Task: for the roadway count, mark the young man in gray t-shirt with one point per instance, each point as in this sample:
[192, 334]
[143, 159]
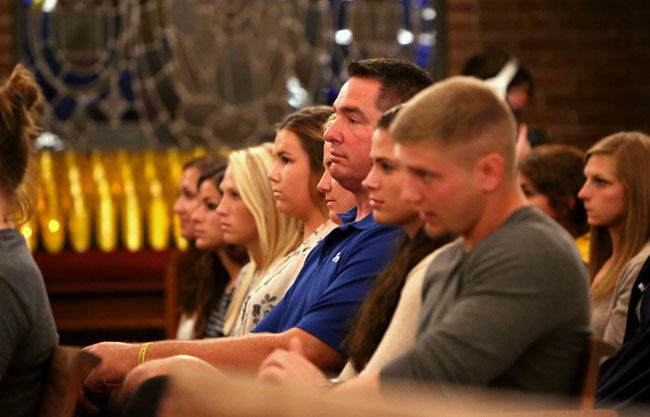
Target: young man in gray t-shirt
[507, 304]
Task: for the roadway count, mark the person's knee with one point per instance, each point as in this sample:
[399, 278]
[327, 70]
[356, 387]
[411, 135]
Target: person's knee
[145, 400]
[140, 374]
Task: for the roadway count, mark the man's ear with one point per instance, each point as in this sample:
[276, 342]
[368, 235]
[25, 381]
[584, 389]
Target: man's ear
[489, 169]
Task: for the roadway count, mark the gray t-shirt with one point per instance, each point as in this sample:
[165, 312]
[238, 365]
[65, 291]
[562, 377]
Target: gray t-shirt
[27, 332]
[513, 312]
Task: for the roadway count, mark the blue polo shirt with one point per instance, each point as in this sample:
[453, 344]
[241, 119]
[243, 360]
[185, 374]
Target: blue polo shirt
[335, 278]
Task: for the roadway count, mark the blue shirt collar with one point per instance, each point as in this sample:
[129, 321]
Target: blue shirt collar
[349, 216]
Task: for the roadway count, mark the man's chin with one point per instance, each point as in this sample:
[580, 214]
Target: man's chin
[434, 230]
[336, 170]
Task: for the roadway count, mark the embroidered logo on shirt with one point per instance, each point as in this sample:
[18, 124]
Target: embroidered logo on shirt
[337, 257]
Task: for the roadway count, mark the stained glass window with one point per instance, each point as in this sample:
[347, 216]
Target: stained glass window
[159, 73]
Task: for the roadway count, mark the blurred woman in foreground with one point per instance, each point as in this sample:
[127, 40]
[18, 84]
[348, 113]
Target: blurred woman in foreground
[27, 332]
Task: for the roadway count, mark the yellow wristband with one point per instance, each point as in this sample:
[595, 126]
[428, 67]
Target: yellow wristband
[143, 351]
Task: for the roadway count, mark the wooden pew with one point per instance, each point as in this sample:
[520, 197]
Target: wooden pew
[194, 392]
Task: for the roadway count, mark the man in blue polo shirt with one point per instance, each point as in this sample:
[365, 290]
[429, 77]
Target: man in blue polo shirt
[336, 276]
[339, 270]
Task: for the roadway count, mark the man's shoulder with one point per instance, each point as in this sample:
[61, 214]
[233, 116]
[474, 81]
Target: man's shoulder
[372, 244]
[529, 231]
[425, 262]
[529, 247]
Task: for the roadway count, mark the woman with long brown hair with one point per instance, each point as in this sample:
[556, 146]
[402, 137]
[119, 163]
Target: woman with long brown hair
[616, 195]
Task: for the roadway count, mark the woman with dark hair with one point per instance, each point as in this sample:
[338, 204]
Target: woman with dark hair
[228, 259]
[550, 177]
[202, 274]
[27, 332]
[616, 195]
[186, 200]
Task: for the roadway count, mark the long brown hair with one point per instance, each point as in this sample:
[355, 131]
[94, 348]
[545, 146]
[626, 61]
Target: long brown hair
[197, 278]
[376, 311]
[630, 153]
[308, 125]
[19, 100]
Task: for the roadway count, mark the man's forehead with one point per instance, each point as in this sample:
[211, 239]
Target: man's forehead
[382, 142]
[426, 157]
[358, 93]
[413, 153]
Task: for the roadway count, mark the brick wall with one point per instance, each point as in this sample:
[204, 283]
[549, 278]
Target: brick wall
[6, 36]
[590, 59]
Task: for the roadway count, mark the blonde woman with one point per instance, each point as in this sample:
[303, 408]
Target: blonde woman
[249, 218]
[298, 152]
[616, 195]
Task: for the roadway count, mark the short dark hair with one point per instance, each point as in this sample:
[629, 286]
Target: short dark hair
[400, 80]
[388, 116]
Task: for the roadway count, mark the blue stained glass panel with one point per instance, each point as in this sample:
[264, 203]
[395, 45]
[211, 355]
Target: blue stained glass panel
[79, 80]
[48, 91]
[65, 107]
[45, 26]
[51, 61]
[125, 85]
[95, 113]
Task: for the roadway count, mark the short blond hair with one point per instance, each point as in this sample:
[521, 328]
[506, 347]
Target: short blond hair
[459, 111]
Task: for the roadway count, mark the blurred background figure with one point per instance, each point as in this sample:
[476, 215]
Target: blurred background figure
[228, 260]
[201, 274]
[550, 177]
[514, 83]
